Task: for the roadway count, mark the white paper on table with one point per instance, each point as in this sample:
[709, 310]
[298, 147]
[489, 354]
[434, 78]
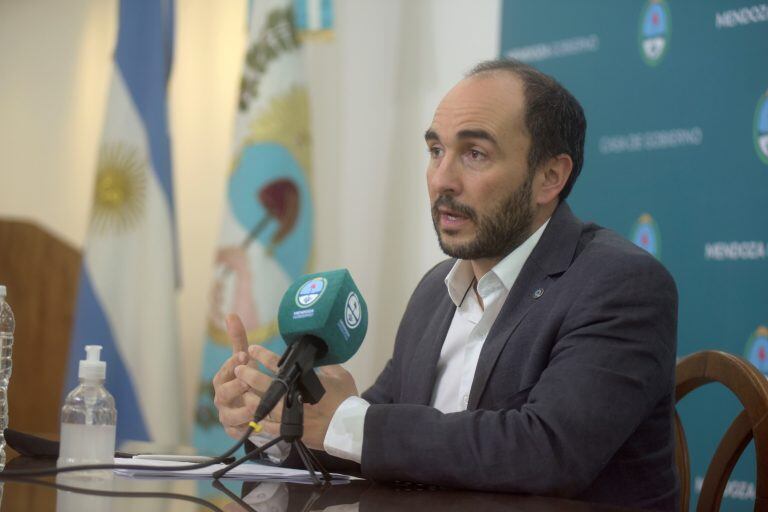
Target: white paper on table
[246, 471]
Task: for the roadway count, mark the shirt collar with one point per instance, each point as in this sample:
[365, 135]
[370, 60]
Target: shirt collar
[504, 273]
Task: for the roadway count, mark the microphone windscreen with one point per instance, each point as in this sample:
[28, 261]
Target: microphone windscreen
[327, 305]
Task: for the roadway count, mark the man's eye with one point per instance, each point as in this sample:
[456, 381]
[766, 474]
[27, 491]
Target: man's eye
[474, 154]
[435, 152]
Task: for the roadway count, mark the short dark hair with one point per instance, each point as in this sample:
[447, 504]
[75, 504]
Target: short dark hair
[553, 117]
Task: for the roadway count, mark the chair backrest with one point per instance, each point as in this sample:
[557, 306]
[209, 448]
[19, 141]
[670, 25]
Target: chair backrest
[751, 388]
[41, 273]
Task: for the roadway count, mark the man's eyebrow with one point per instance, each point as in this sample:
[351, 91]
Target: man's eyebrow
[431, 135]
[477, 134]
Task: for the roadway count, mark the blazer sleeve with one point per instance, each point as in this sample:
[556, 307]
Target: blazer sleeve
[612, 362]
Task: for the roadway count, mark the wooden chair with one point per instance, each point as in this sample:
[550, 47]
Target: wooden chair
[751, 388]
[41, 273]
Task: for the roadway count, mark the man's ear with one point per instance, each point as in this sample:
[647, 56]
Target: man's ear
[551, 177]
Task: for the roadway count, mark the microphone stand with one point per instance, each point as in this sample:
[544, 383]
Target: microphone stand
[291, 430]
[306, 389]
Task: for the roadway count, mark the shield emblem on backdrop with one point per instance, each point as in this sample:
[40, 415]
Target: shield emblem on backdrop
[654, 31]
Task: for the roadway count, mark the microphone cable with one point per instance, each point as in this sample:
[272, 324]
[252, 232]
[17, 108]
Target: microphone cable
[252, 427]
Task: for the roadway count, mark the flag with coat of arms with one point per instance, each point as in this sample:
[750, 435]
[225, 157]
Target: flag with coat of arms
[127, 290]
[266, 234]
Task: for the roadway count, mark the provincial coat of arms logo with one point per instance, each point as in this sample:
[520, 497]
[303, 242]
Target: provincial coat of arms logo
[645, 234]
[655, 31]
[757, 349]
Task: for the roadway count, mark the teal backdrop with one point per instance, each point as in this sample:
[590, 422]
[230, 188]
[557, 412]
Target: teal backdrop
[677, 161]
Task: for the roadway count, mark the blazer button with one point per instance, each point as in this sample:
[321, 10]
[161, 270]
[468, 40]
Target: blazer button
[538, 293]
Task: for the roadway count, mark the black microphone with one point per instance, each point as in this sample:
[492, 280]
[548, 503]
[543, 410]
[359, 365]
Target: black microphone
[323, 320]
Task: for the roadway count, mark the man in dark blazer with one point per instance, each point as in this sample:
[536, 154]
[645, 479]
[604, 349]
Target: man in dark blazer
[540, 358]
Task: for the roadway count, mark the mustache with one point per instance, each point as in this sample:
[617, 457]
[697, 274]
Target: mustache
[450, 203]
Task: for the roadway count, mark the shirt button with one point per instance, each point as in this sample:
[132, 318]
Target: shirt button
[465, 401]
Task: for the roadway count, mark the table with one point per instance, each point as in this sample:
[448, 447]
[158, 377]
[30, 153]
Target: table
[264, 497]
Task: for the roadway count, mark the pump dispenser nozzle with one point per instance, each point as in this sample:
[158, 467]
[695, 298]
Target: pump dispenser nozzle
[92, 367]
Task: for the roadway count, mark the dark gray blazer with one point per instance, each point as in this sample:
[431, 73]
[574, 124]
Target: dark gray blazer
[573, 392]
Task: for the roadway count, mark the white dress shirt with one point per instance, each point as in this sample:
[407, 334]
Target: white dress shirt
[472, 320]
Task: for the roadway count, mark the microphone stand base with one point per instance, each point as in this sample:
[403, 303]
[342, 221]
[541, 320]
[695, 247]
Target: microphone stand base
[311, 463]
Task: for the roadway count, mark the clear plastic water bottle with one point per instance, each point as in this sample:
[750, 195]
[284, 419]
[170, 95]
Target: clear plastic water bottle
[7, 326]
[88, 417]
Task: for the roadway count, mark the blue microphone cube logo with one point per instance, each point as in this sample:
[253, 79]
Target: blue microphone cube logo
[757, 349]
[310, 292]
[655, 31]
[353, 312]
[645, 234]
[761, 128]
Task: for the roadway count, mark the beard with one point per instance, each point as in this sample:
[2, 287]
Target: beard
[498, 233]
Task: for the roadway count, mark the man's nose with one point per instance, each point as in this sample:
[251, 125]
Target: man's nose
[446, 177]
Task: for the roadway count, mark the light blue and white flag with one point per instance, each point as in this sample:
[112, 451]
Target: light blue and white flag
[127, 300]
[267, 229]
[314, 18]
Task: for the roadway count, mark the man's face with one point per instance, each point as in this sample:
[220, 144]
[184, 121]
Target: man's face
[478, 179]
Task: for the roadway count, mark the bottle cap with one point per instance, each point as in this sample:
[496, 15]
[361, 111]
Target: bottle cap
[92, 367]
[3, 291]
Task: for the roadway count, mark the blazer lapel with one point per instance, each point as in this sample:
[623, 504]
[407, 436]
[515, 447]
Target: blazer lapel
[422, 369]
[551, 256]
[521, 297]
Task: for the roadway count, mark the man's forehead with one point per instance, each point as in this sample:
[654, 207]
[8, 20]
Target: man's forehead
[491, 102]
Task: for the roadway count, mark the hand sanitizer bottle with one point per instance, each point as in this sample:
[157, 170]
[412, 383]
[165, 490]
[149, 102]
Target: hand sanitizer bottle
[88, 416]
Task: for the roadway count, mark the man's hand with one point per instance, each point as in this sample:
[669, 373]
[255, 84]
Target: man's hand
[338, 383]
[236, 404]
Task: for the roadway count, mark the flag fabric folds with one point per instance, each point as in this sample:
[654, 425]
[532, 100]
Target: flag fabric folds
[266, 235]
[126, 299]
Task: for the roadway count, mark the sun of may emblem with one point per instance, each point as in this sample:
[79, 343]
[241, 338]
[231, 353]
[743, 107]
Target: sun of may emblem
[118, 196]
[285, 120]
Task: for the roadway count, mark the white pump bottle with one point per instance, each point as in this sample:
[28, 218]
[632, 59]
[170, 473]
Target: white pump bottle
[88, 416]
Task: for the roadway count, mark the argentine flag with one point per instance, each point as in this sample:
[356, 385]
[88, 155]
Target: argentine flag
[126, 299]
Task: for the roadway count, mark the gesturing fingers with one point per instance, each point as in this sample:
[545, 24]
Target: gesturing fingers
[272, 423]
[237, 334]
[226, 372]
[266, 357]
[235, 417]
[226, 393]
[253, 378]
